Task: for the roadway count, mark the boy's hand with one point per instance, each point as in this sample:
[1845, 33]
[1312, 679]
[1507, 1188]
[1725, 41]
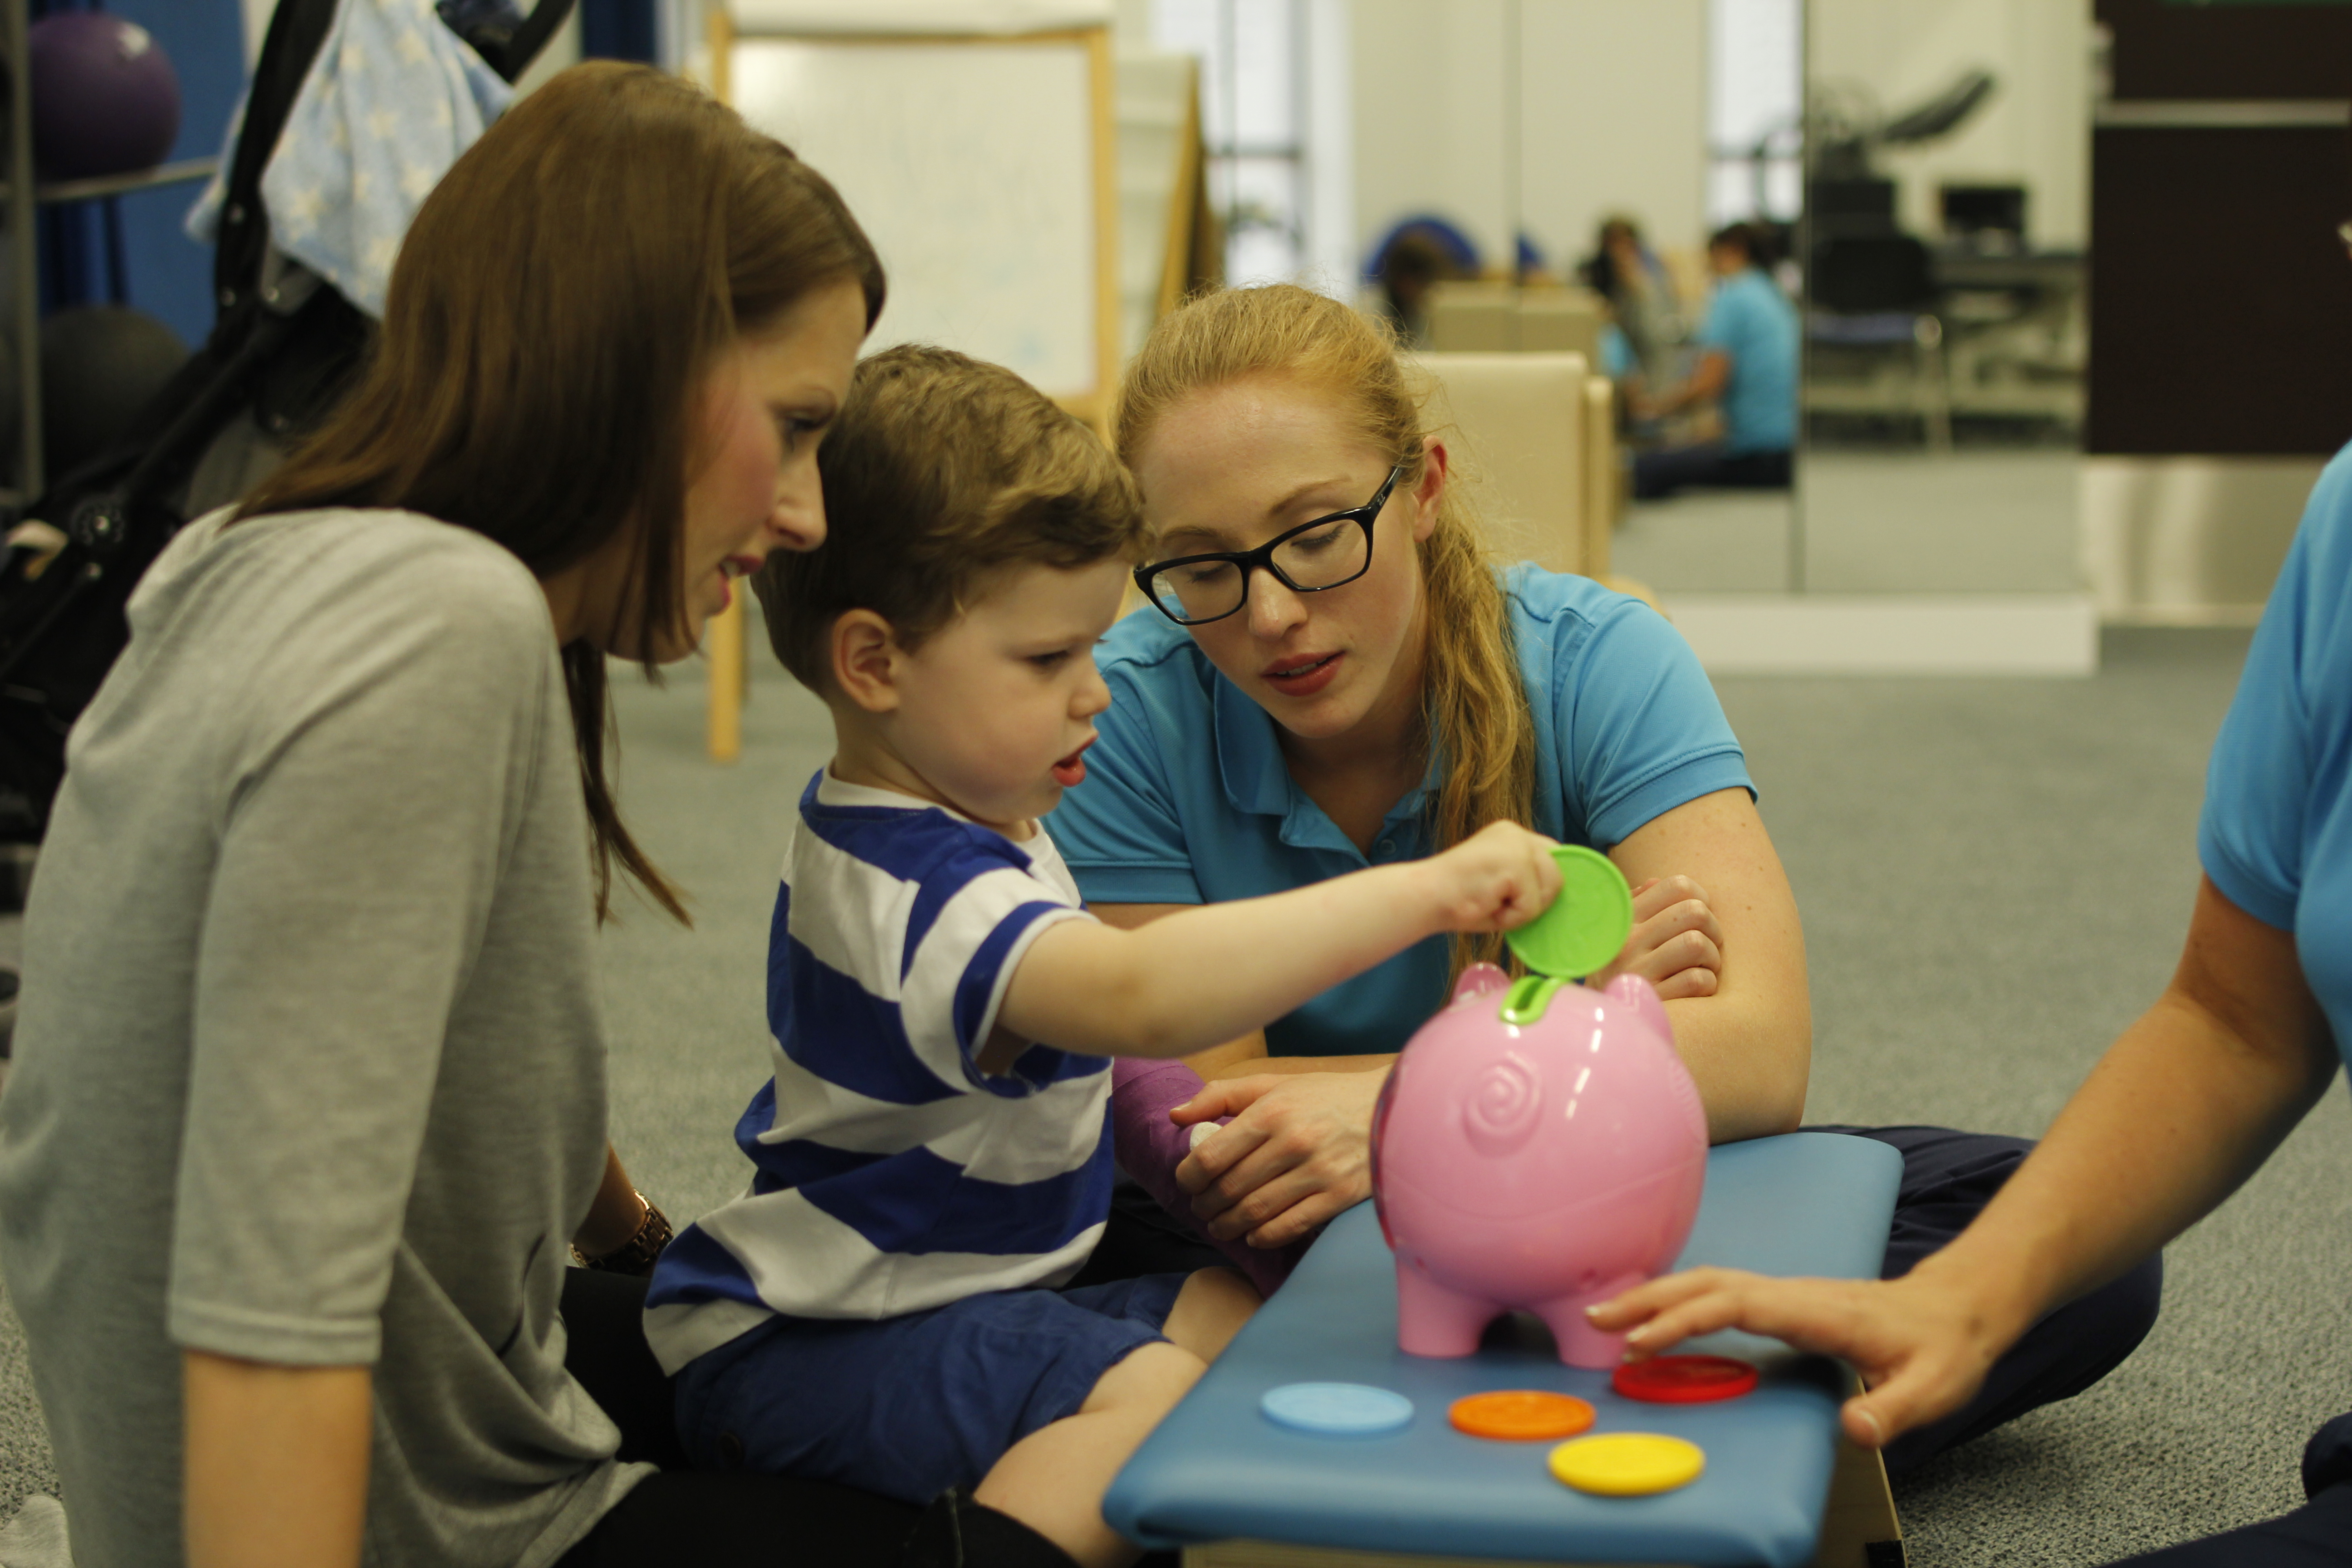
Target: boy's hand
[1500, 878]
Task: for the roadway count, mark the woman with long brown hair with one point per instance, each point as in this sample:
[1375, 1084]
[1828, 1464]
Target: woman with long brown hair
[1326, 681]
[307, 1107]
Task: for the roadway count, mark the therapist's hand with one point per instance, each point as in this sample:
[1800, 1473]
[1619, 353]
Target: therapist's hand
[1922, 1343]
[1676, 943]
[1296, 1152]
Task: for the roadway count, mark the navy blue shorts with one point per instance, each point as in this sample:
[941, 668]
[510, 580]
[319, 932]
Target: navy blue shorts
[909, 1406]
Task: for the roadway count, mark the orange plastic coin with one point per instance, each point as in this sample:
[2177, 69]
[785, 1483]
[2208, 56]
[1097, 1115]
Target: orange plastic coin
[1520, 1415]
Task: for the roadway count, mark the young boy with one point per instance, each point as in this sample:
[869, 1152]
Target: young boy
[881, 1307]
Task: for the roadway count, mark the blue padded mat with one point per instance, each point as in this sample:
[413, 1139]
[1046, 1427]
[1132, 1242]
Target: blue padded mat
[1811, 1203]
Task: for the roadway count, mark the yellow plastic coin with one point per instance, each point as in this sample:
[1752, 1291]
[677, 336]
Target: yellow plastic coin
[1627, 1464]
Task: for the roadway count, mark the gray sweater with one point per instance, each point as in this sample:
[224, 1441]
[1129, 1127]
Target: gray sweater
[309, 1068]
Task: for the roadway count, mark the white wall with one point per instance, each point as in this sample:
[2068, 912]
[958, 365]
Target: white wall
[1430, 92]
[1609, 99]
[2035, 129]
[1334, 252]
[1595, 106]
[1613, 116]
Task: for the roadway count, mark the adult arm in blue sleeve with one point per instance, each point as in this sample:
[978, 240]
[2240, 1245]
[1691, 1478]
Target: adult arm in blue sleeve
[2258, 782]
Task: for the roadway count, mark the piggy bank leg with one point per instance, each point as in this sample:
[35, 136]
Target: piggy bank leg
[1582, 1345]
[1432, 1321]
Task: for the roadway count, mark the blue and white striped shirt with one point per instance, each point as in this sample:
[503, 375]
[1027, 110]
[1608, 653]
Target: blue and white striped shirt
[891, 1176]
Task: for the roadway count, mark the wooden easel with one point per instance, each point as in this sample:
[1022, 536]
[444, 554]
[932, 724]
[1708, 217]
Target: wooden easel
[726, 647]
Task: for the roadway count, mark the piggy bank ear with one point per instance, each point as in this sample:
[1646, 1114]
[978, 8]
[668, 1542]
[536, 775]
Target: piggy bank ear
[1481, 980]
[1633, 991]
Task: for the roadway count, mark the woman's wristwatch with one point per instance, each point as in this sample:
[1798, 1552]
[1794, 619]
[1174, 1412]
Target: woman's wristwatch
[636, 1256]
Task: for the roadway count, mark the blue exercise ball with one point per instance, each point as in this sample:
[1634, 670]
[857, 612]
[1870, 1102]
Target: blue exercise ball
[105, 99]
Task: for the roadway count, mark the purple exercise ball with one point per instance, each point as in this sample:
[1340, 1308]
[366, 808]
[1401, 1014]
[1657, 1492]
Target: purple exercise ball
[105, 100]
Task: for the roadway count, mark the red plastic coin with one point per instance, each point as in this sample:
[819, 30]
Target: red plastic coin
[1520, 1415]
[1684, 1379]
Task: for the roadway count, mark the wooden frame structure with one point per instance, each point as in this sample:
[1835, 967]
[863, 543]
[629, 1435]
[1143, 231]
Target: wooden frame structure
[725, 646]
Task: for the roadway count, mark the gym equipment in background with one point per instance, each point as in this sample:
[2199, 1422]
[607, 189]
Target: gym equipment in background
[105, 97]
[99, 364]
[281, 349]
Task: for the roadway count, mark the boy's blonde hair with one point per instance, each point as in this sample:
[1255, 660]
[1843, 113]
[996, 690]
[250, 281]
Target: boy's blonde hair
[1476, 706]
[939, 470]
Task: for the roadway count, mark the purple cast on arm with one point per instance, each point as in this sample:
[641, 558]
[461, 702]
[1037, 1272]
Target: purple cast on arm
[1150, 1147]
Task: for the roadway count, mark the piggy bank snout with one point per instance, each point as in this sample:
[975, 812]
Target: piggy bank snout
[1502, 1104]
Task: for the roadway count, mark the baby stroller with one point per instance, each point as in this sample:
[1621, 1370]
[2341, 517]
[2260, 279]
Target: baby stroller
[284, 345]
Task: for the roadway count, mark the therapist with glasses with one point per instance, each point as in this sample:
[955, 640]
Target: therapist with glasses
[1324, 682]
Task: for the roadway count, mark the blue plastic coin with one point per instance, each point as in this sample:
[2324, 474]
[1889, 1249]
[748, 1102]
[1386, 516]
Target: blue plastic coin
[1336, 1410]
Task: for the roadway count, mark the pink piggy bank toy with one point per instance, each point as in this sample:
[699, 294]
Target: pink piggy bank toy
[1539, 1146]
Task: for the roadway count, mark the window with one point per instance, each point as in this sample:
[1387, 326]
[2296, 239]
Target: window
[1273, 76]
[1755, 110]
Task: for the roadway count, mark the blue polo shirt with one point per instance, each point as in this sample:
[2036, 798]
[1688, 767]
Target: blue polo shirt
[1752, 322]
[2277, 833]
[1187, 799]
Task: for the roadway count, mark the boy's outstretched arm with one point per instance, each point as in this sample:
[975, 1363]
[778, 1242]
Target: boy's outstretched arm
[1199, 978]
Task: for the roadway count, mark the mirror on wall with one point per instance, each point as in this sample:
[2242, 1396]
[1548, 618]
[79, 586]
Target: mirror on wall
[1545, 175]
[1659, 170]
[1945, 322]
[1878, 388]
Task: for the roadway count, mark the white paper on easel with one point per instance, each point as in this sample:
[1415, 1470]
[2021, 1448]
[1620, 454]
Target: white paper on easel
[933, 17]
[972, 167]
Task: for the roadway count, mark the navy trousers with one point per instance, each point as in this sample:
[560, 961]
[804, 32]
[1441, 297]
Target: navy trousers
[734, 1519]
[1661, 473]
[683, 1516]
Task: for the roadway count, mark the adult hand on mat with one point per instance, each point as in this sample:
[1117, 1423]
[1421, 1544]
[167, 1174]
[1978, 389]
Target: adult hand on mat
[1298, 1152]
[1676, 943]
[1921, 1343]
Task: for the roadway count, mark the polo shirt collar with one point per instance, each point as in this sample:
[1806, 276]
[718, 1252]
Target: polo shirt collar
[1257, 779]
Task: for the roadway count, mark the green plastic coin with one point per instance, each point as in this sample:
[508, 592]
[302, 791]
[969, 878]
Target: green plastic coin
[1586, 926]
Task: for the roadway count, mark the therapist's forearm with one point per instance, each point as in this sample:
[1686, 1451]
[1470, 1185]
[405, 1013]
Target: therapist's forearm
[1749, 1045]
[276, 1472]
[1251, 1067]
[2180, 1111]
[1750, 1057]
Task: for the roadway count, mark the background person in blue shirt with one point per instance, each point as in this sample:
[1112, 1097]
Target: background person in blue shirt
[2182, 1109]
[1340, 718]
[1747, 365]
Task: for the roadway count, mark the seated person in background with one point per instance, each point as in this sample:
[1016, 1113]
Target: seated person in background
[1747, 365]
[1410, 265]
[1642, 304]
[882, 1308]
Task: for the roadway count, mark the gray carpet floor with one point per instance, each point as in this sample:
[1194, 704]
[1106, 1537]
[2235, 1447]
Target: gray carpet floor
[1995, 876]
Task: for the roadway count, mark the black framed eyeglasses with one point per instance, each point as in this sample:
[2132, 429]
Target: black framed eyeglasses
[1193, 590]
